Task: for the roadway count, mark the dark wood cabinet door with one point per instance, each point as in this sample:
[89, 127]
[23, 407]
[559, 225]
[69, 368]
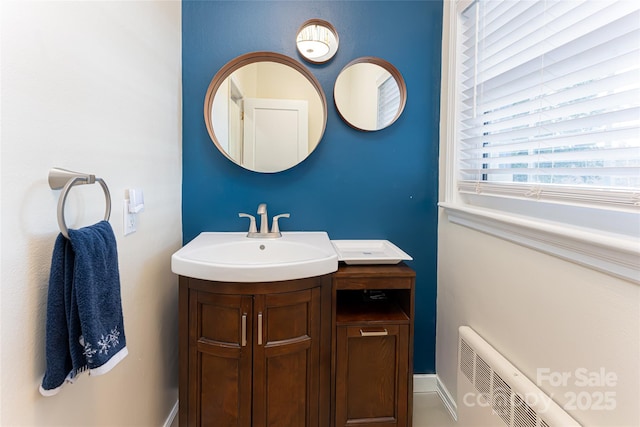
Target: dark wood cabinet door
[220, 357]
[286, 367]
[372, 364]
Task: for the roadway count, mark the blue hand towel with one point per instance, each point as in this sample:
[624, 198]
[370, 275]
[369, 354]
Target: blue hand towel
[85, 328]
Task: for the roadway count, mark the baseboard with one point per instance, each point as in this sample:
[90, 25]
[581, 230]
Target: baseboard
[171, 419]
[430, 383]
[424, 383]
[448, 401]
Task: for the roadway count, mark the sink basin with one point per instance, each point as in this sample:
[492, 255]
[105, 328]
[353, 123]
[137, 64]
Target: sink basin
[234, 257]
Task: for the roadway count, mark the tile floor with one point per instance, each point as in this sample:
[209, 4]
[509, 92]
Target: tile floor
[429, 411]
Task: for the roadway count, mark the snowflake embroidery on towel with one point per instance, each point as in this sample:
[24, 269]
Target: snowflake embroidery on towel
[105, 343]
[88, 350]
[111, 340]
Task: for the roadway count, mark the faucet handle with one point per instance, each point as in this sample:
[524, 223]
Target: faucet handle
[274, 224]
[252, 223]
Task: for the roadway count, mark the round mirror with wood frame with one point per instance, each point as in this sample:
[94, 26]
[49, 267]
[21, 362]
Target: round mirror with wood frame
[370, 94]
[265, 111]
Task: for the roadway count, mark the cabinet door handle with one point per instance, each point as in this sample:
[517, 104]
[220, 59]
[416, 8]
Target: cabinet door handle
[260, 328]
[381, 333]
[244, 329]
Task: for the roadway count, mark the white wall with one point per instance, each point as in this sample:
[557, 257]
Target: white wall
[540, 312]
[94, 87]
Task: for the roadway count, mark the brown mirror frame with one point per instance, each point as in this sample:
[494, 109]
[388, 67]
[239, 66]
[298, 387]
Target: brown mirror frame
[402, 87]
[250, 58]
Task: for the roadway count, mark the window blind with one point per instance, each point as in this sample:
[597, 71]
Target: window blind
[550, 100]
[388, 102]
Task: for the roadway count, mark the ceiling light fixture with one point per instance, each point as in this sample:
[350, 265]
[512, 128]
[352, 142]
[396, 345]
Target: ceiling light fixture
[313, 40]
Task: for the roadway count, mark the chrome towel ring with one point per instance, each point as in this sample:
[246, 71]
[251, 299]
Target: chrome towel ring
[65, 179]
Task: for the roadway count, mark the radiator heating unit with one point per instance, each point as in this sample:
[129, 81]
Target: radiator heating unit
[494, 393]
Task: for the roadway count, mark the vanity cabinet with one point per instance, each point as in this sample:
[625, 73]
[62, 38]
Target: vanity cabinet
[373, 345]
[332, 350]
[255, 354]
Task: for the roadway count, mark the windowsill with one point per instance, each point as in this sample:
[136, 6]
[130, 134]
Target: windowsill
[610, 253]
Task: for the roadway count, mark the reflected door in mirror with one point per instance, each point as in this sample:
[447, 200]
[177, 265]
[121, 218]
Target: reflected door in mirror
[275, 133]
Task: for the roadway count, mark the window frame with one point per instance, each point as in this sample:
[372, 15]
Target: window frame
[601, 236]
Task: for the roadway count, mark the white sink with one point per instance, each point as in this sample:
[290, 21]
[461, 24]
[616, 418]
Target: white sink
[234, 257]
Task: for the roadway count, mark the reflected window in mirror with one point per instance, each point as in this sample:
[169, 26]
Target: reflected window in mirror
[317, 41]
[265, 112]
[370, 94]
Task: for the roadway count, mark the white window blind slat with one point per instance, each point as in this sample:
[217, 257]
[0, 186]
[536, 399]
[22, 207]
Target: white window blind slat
[552, 50]
[561, 172]
[550, 95]
[562, 21]
[547, 157]
[603, 60]
[499, 14]
[603, 25]
[502, 10]
[568, 108]
[629, 80]
[628, 115]
[556, 193]
[615, 138]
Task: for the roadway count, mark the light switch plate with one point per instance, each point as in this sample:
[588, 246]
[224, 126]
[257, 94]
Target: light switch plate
[130, 220]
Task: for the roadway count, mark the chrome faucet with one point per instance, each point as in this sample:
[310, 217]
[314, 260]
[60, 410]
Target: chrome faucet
[264, 224]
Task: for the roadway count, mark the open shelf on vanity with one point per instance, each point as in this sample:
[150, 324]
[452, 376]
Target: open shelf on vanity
[357, 306]
[373, 293]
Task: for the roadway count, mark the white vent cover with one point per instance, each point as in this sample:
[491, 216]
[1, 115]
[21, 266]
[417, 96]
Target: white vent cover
[492, 392]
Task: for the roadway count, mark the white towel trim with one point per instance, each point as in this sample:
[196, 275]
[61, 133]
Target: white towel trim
[111, 363]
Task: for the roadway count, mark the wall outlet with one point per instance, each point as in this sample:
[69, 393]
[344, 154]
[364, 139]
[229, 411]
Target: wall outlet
[130, 220]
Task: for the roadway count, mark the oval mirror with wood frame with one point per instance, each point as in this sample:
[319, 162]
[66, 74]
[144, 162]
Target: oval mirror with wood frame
[265, 111]
[370, 94]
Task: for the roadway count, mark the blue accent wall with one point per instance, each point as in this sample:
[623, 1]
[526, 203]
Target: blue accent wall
[355, 185]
